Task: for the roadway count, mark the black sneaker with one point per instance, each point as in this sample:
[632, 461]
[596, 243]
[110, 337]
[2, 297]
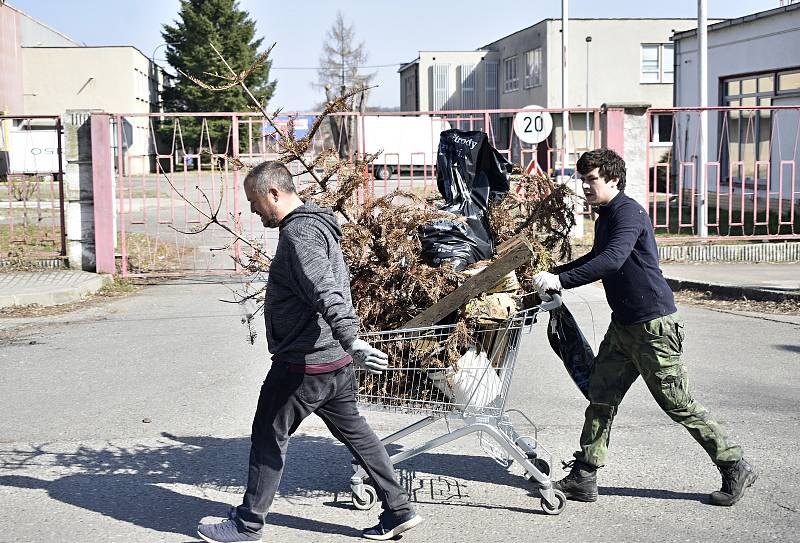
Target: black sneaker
[735, 480]
[390, 526]
[224, 532]
[581, 482]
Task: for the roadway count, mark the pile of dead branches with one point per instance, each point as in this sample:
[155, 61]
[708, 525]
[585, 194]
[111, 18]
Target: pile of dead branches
[390, 283]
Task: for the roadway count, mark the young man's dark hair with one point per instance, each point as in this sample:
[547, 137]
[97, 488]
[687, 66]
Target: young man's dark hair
[610, 163]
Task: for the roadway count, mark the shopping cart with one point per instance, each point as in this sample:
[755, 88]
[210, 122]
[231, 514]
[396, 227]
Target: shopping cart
[457, 374]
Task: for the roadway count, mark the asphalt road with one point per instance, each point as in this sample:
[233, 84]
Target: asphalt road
[129, 422]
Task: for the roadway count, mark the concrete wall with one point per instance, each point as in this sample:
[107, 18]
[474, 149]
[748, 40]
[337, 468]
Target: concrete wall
[37, 34]
[454, 60]
[111, 79]
[79, 190]
[10, 61]
[518, 44]
[766, 43]
[614, 61]
[409, 88]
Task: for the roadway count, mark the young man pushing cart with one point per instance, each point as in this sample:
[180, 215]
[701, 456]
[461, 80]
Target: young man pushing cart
[645, 336]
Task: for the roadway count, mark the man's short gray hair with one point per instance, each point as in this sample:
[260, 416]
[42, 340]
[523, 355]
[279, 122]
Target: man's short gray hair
[270, 174]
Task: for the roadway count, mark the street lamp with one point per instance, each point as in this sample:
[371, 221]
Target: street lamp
[153, 56]
[588, 41]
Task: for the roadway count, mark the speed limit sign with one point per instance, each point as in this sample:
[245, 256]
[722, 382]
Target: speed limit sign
[533, 125]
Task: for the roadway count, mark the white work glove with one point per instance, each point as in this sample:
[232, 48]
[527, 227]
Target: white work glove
[368, 357]
[546, 282]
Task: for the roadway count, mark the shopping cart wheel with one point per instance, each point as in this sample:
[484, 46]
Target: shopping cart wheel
[371, 499]
[561, 503]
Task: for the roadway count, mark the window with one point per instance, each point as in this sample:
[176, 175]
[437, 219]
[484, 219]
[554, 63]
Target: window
[441, 86]
[661, 128]
[469, 99]
[533, 68]
[789, 82]
[492, 99]
[511, 69]
[747, 133]
[657, 65]
[667, 63]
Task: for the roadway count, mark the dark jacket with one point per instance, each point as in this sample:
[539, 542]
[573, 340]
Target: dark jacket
[309, 311]
[625, 257]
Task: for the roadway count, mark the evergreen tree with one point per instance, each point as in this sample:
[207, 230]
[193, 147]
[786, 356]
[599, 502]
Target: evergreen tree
[232, 31]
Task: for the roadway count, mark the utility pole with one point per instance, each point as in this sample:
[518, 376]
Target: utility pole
[564, 84]
[702, 181]
[588, 41]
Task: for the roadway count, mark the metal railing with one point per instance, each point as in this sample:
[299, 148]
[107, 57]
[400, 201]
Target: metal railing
[753, 191]
[32, 221]
[168, 165]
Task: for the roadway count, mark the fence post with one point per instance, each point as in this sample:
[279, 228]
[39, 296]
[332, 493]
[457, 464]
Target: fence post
[103, 193]
[78, 190]
[237, 219]
[613, 127]
[625, 131]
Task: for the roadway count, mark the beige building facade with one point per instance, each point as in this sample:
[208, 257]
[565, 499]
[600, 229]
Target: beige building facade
[45, 72]
[115, 79]
[623, 61]
[611, 61]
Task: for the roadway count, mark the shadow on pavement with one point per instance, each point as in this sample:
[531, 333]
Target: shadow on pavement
[652, 493]
[152, 486]
[790, 348]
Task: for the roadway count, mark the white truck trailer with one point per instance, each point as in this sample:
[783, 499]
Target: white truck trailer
[408, 143]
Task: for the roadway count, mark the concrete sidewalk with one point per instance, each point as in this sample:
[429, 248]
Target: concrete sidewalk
[46, 288]
[761, 281]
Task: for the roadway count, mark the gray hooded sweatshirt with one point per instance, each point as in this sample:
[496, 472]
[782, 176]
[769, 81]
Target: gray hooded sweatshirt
[309, 310]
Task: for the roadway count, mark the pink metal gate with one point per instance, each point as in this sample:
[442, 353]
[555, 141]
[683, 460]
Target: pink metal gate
[170, 167]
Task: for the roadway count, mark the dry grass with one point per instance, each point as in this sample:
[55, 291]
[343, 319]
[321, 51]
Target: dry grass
[150, 254]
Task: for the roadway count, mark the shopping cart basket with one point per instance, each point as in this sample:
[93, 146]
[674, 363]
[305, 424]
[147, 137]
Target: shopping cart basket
[457, 374]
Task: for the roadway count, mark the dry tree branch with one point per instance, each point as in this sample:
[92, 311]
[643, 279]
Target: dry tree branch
[212, 218]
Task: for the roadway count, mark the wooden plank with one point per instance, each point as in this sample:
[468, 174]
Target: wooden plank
[515, 252]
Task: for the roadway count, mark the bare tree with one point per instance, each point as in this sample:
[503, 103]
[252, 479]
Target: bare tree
[340, 68]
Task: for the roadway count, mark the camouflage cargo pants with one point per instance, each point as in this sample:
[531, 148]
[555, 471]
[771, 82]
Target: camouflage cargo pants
[651, 349]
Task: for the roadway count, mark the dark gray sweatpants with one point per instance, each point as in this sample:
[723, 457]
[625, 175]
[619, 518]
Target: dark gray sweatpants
[286, 399]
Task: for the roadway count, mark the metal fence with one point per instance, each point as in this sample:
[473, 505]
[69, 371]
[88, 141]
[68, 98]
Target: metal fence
[32, 226]
[172, 166]
[753, 190]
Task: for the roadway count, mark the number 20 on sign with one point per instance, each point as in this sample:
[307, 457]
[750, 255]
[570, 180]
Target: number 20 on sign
[533, 125]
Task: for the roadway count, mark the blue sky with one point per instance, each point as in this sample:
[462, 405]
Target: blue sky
[393, 31]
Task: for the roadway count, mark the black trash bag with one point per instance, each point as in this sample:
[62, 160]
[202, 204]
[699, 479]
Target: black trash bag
[447, 240]
[571, 346]
[469, 172]
[468, 156]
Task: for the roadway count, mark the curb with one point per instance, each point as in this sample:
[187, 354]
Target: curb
[750, 293]
[750, 252]
[47, 297]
